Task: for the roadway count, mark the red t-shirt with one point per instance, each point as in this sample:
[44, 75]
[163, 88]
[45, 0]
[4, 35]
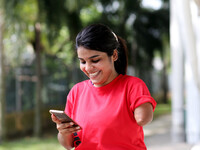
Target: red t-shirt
[106, 113]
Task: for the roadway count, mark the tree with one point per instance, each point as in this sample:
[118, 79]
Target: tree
[63, 15]
[152, 32]
[38, 99]
[24, 22]
[145, 30]
[2, 79]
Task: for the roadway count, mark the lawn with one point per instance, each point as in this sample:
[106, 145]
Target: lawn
[162, 109]
[30, 143]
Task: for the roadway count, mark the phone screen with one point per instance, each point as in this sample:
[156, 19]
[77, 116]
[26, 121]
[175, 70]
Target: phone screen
[64, 118]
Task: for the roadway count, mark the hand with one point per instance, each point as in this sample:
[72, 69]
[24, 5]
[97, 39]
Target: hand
[64, 128]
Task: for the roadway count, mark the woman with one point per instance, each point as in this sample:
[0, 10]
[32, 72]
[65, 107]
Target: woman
[111, 107]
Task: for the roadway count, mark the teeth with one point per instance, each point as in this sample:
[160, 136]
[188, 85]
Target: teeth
[94, 74]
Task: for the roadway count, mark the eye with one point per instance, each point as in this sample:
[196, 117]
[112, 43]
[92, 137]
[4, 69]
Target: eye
[96, 61]
[82, 62]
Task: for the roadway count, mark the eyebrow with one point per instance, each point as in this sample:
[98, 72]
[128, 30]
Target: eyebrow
[90, 57]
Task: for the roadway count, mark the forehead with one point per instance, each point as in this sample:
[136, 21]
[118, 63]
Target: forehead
[87, 53]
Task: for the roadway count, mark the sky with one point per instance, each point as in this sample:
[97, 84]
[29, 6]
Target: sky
[154, 4]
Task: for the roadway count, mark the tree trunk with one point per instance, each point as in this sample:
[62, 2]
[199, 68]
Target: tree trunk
[2, 82]
[164, 84]
[38, 99]
[164, 78]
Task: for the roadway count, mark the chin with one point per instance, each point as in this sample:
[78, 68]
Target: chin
[95, 83]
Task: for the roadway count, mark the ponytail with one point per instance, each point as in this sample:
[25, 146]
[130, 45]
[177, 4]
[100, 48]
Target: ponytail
[122, 61]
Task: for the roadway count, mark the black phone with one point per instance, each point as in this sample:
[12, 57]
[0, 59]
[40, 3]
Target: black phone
[64, 118]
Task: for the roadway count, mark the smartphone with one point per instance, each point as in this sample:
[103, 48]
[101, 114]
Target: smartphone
[64, 118]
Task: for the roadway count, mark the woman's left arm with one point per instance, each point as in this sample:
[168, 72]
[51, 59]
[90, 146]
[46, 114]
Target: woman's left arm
[143, 114]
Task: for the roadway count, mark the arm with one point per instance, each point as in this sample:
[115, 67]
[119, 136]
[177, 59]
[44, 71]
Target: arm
[65, 140]
[143, 114]
[65, 132]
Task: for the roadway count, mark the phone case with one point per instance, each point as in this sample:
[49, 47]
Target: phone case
[64, 118]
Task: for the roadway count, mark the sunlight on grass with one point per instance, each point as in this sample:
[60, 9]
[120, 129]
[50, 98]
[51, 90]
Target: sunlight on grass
[162, 109]
[32, 144]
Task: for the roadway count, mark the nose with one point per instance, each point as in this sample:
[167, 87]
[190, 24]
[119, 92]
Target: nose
[88, 67]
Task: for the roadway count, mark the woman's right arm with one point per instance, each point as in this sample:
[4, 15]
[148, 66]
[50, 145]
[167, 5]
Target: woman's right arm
[66, 141]
[65, 131]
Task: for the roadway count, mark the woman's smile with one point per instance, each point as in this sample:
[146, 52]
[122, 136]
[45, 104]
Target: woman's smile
[97, 65]
[94, 75]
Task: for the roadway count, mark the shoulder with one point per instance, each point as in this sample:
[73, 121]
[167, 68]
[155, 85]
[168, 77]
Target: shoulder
[131, 79]
[77, 89]
[81, 85]
[132, 82]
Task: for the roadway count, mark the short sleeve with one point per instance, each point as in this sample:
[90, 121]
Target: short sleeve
[72, 99]
[69, 102]
[139, 94]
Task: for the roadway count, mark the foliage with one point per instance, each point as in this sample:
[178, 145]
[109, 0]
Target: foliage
[19, 17]
[150, 27]
[143, 29]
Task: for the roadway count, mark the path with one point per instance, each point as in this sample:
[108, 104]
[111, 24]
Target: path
[158, 135]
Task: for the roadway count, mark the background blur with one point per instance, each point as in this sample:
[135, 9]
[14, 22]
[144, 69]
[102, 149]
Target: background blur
[39, 66]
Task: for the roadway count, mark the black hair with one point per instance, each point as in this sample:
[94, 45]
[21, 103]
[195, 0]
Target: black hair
[101, 38]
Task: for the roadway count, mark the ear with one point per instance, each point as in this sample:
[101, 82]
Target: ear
[115, 55]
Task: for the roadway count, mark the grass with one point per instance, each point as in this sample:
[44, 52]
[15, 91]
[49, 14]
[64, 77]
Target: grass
[162, 109]
[30, 143]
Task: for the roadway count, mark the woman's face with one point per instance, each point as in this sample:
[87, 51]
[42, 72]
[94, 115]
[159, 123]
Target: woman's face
[98, 66]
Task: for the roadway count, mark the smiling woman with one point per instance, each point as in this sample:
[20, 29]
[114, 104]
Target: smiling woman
[111, 107]
[106, 42]
[97, 66]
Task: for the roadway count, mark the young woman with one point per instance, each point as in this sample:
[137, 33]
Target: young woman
[111, 107]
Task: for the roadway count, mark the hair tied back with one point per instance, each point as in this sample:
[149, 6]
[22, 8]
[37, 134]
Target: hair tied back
[115, 36]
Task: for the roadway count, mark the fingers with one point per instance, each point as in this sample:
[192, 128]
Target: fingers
[64, 128]
[54, 119]
[67, 128]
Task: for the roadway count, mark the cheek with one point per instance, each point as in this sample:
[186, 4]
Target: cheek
[82, 67]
